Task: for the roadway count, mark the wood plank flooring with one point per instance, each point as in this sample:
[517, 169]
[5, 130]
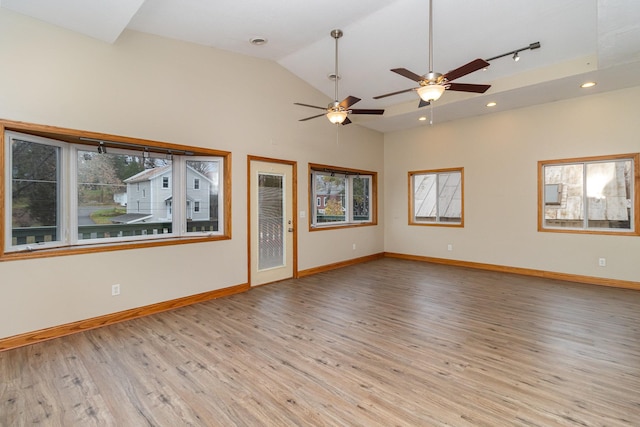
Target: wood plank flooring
[386, 343]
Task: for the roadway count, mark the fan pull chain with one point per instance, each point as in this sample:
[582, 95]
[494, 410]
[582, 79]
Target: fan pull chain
[431, 113]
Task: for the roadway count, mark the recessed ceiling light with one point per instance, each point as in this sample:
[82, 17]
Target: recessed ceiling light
[491, 104]
[588, 84]
[333, 77]
[258, 41]
[422, 119]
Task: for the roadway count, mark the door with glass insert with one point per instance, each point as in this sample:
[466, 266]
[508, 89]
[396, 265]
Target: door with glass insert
[272, 228]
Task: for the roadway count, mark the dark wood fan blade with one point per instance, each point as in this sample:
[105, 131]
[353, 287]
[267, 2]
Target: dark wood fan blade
[312, 117]
[475, 65]
[346, 121]
[349, 101]
[311, 106]
[423, 103]
[468, 87]
[392, 93]
[408, 74]
[367, 111]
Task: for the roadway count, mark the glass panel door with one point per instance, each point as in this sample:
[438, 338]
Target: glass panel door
[271, 221]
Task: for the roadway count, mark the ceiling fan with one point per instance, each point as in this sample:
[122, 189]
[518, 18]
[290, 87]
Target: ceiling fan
[432, 84]
[337, 112]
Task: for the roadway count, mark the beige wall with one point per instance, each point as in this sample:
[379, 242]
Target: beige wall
[499, 153]
[153, 88]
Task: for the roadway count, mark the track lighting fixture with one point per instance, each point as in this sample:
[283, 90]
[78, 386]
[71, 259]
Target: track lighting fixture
[515, 53]
[146, 152]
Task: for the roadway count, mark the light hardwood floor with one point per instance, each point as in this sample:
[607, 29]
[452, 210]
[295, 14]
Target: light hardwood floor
[386, 343]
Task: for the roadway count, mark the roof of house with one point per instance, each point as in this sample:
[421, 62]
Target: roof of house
[149, 174]
[130, 218]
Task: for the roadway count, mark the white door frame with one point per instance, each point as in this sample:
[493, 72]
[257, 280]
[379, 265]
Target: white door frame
[292, 223]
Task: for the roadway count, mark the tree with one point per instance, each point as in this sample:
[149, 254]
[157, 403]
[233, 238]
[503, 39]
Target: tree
[97, 177]
[360, 192]
[35, 183]
[206, 168]
[127, 166]
[333, 208]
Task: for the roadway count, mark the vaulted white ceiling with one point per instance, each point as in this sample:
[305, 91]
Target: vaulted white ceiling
[580, 40]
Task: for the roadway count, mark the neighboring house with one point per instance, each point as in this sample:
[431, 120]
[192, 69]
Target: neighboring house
[322, 200]
[608, 194]
[149, 197]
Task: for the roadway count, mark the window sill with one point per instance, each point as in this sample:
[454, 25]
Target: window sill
[108, 247]
[582, 231]
[438, 224]
[339, 226]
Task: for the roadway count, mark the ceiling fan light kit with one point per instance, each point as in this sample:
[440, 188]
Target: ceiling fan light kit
[336, 115]
[430, 92]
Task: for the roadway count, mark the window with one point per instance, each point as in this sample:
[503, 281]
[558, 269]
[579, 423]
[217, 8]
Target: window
[35, 191]
[71, 191]
[592, 195]
[343, 197]
[108, 208]
[436, 197]
[206, 194]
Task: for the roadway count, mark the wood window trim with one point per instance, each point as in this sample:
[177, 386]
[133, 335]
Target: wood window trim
[636, 193]
[337, 169]
[410, 175]
[80, 137]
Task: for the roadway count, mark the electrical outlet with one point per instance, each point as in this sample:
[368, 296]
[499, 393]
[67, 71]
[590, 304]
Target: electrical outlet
[449, 247]
[354, 246]
[602, 262]
[115, 290]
